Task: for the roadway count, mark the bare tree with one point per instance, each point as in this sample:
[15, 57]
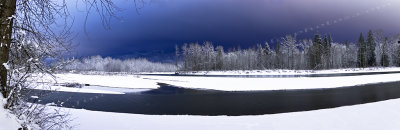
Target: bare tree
[176, 55]
[7, 11]
[289, 42]
[32, 31]
[29, 34]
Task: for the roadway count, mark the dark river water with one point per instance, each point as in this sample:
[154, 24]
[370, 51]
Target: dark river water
[170, 100]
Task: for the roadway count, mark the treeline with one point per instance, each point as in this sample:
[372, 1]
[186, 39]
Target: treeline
[108, 64]
[321, 52]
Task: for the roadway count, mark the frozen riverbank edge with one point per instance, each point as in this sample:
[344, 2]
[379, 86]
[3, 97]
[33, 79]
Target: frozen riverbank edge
[134, 81]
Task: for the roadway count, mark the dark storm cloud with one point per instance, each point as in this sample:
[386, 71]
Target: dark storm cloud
[231, 23]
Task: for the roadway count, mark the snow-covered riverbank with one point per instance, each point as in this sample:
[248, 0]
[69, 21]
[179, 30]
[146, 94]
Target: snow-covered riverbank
[228, 83]
[373, 116]
[287, 72]
[377, 115]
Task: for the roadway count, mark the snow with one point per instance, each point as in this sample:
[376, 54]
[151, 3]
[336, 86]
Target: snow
[6, 66]
[378, 115]
[119, 81]
[372, 116]
[77, 90]
[8, 121]
[252, 84]
[47, 82]
[292, 72]
[228, 83]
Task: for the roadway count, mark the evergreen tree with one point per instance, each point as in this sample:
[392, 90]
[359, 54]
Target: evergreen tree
[326, 52]
[267, 50]
[315, 53]
[325, 43]
[398, 54]
[361, 59]
[278, 48]
[318, 52]
[278, 55]
[267, 54]
[385, 57]
[370, 52]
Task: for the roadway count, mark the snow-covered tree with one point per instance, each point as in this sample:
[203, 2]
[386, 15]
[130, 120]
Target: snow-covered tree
[220, 58]
[315, 53]
[278, 56]
[267, 56]
[176, 55]
[350, 57]
[361, 53]
[320, 53]
[385, 57]
[108, 64]
[31, 31]
[260, 57]
[379, 40]
[370, 50]
[289, 43]
[398, 53]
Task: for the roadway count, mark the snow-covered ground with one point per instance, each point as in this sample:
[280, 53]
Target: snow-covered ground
[378, 115]
[288, 72]
[8, 121]
[118, 81]
[384, 115]
[47, 82]
[251, 84]
[227, 83]
[77, 90]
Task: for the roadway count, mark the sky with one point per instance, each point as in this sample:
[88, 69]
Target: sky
[153, 30]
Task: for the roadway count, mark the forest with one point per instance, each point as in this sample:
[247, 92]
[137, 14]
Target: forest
[321, 52]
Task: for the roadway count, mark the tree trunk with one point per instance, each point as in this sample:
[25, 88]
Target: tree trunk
[7, 11]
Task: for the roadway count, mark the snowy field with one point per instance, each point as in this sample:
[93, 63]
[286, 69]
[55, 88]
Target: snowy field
[223, 83]
[384, 115]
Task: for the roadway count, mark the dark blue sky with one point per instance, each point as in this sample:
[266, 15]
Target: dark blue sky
[163, 23]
